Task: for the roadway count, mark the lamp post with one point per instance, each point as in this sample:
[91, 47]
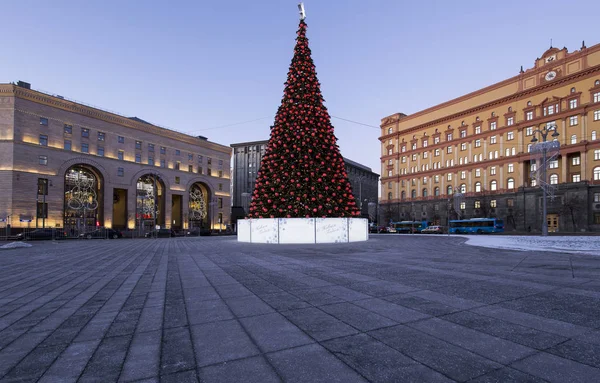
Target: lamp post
[543, 147]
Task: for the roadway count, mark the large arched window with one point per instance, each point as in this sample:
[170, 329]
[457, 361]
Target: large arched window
[463, 188]
[494, 185]
[413, 194]
[510, 183]
[573, 139]
[449, 190]
[436, 191]
[597, 173]
[424, 193]
[389, 130]
[553, 179]
[477, 187]
[390, 195]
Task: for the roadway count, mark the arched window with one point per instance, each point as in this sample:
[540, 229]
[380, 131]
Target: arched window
[424, 193]
[403, 195]
[390, 195]
[573, 90]
[449, 190]
[529, 148]
[480, 156]
[460, 160]
[474, 157]
[413, 194]
[510, 183]
[507, 152]
[528, 103]
[436, 191]
[554, 179]
[574, 139]
[597, 173]
[597, 82]
[510, 109]
[477, 187]
[493, 114]
[594, 137]
[463, 188]
[390, 130]
[494, 185]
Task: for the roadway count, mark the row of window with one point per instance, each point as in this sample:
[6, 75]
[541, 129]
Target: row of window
[85, 133]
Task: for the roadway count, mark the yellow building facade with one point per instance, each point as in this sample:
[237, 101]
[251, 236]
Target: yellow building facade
[480, 143]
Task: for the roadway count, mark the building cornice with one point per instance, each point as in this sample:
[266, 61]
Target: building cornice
[71, 106]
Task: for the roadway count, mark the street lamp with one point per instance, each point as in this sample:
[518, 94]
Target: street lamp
[543, 147]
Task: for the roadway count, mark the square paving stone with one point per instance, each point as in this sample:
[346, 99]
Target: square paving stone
[248, 306]
[527, 336]
[274, 332]
[232, 291]
[450, 360]
[177, 352]
[221, 341]
[249, 370]
[107, 361]
[380, 363]
[208, 311]
[284, 301]
[143, 357]
[391, 310]
[358, 317]
[70, 363]
[420, 304]
[312, 363]
[318, 324]
[316, 297]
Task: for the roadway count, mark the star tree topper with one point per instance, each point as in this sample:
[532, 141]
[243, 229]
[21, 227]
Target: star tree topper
[302, 12]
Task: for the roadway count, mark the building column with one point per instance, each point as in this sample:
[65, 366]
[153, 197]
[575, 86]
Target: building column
[501, 170]
[583, 159]
[501, 145]
[563, 166]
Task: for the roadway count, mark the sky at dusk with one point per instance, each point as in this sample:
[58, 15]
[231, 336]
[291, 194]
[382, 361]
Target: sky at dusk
[206, 67]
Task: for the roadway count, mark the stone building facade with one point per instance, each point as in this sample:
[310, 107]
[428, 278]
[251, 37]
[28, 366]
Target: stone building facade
[481, 145]
[247, 157]
[65, 164]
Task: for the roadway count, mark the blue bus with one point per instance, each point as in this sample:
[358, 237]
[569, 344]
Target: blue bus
[409, 226]
[476, 225]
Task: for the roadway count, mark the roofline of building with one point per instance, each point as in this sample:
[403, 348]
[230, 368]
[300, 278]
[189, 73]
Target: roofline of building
[241, 144]
[404, 117]
[55, 101]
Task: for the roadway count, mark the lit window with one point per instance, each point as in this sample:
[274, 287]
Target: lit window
[576, 178]
[493, 125]
[529, 131]
[596, 154]
[477, 129]
[67, 145]
[510, 121]
[436, 178]
[425, 154]
[533, 167]
[390, 152]
[493, 203]
[403, 159]
[493, 140]
[449, 190]
[510, 183]
[529, 148]
[463, 146]
[120, 172]
[576, 161]
[596, 197]
[477, 143]
[511, 168]
[449, 177]
[403, 148]
[414, 146]
[449, 137]
[597, 115]
[477, 187]
[138, 158]
[553, 179]
[436, 140]
[529, 116]
[425, 143]
[449, 149]
[120, 155]
[573, 103]
[390, 130]
[477, 204]
[572, 120]
[493, 171]
[437, 152]
[463, 175]
[68, 129]
[463, 205]
[463, 133]
[414, 157]
[533, 182]
[477, 172]
[510, 136]
[597, 97]
[463, 188]
[553, 164]
[596, 173]
[43, 160]
[389, 173]
[493, 185]
[573, 139]
[593, 135]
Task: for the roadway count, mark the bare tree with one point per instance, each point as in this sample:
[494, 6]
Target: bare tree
[572, 206]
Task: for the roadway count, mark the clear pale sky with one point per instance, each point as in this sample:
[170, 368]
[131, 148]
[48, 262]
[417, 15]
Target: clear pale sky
[198, 66]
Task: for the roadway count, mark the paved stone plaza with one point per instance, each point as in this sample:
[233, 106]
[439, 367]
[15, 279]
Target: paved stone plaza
[394, 309]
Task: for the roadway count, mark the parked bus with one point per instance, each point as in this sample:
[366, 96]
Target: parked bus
[476, 225]
[409, 226]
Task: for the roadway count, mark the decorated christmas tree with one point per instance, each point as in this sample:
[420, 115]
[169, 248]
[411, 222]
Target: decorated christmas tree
[302, 173]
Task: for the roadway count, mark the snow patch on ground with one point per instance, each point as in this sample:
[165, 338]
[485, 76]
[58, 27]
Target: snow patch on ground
[15, 245]
[566, 244]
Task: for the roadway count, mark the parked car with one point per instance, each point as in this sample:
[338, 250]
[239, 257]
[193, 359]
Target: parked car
[160, 233]
[42, 234]
[433, 230]
[102, 233]
[378, 229]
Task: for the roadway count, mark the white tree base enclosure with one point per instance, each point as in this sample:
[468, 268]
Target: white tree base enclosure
[303, 230]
